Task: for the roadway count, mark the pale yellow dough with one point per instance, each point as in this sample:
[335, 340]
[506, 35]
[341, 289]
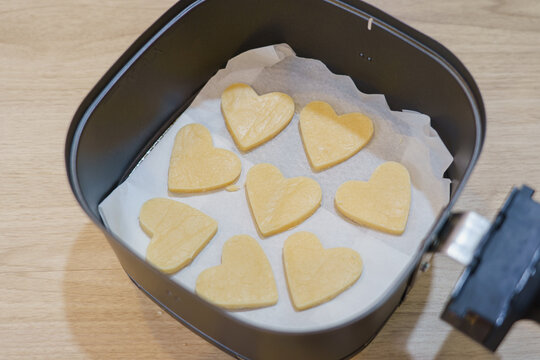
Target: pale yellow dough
[196, 165]
[278, 203]
[330, 139]
[179, 232]
[232, 188]
[316, 275]
[253, 119]
[244, 280]
[382, 203]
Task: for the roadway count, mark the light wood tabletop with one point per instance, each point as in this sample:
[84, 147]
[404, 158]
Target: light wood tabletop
[63, 294]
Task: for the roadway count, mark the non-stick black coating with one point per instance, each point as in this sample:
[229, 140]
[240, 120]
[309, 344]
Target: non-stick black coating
[156, 78]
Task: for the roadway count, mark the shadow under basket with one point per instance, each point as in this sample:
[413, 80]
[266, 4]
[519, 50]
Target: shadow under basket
[158, 76]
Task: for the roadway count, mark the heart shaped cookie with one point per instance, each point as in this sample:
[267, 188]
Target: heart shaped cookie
[196, 165]
[244, 280]
[179, 232]
[314, 274]
[253, 119]
[330, 139]
[382, 203]
[278, 203]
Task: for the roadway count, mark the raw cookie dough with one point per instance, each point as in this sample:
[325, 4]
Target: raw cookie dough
[179, 232]
[253, 119]
[278, 203]
[330, 139]
[314, 274]
[382, 203]
[244, 280]
[196, 165]
[232, 188]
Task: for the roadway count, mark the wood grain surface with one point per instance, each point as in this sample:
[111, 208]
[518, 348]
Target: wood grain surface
[63, 294]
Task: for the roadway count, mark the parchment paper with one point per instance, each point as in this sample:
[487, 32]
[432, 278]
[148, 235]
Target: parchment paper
[400, 136]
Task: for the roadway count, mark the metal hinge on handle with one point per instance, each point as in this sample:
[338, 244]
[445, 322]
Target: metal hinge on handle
[501, 282]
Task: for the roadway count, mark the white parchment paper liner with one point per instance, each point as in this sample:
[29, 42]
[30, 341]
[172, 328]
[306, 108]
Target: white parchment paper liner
[399, 136]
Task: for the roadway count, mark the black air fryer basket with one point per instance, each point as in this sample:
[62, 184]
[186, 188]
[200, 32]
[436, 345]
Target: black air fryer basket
[158, 76]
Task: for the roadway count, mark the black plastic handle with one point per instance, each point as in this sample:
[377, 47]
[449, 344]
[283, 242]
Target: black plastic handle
[502, 283]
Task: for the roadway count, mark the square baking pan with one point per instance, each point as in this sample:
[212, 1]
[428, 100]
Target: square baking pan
[157, 77]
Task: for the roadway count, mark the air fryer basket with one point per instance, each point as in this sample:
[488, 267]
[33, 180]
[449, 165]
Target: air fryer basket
[156, 78]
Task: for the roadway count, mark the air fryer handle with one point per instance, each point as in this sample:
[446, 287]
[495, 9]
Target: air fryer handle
[501, 283]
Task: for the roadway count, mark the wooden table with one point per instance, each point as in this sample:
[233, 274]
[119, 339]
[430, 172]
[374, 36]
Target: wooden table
[64, 294]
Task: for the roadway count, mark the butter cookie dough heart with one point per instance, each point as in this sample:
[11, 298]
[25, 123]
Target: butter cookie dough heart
[252, 119]
[178, 231]
[278, 203]
[330, 139]
[196, 165]
[316, 275]
[382, 203]
[244, 280]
